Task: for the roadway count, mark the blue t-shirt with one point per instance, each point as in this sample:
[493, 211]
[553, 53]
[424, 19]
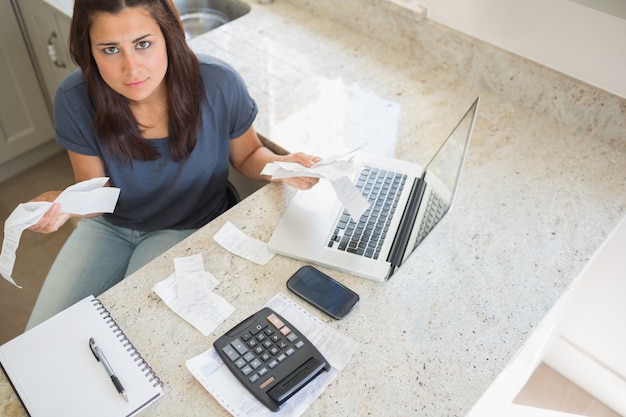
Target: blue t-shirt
[163, 193]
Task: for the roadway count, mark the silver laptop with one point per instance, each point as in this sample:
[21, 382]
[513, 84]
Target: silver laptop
[407, 201]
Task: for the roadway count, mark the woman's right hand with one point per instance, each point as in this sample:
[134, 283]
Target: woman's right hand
[54, 218]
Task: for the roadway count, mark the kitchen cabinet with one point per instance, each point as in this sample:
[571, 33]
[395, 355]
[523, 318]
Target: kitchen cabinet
[25, 123]
[589, 342]
[582, 338]
[48, 32]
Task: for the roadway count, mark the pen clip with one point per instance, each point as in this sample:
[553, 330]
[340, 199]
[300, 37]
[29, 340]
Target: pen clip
[93, 347]
[102, 359]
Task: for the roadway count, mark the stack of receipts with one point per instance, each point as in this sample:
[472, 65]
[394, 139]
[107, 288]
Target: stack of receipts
[336, 169]
[216, 378]
[188, 293]
[83, 198]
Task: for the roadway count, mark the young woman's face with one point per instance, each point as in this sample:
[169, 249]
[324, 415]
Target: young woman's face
[130, 52]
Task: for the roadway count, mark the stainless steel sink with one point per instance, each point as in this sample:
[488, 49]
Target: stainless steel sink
[201, 16]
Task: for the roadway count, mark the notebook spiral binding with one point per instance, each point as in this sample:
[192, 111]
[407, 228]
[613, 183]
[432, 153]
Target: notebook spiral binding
[127, 344]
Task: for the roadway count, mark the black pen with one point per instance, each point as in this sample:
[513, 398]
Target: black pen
[97, 352]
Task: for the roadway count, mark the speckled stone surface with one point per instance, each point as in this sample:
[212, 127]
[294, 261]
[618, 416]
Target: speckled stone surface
[539, 194]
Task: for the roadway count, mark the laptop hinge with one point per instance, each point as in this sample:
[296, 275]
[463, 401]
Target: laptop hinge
[401, 240]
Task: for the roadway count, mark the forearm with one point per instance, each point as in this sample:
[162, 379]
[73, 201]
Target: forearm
[249, 157]
[252, 166]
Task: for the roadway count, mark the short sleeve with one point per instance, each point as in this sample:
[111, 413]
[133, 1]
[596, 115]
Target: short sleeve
[227, 94]
[73, 115]
[244, 109]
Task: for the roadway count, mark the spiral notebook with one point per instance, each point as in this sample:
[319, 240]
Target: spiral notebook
[55, 373]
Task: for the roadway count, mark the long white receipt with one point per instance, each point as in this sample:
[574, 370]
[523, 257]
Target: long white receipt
[237, 242]
[85, 197]
[215, 377]
[334, 169]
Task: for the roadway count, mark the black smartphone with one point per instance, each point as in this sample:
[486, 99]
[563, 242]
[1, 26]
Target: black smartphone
[324, 292]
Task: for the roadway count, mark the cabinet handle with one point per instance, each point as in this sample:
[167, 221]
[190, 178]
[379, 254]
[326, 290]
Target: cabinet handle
[52, 52]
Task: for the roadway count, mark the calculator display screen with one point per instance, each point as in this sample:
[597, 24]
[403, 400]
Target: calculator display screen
[295, 379]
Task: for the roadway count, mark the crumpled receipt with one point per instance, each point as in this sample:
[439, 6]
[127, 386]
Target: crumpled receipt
[85, 197]
[204, 310]
[335, 169]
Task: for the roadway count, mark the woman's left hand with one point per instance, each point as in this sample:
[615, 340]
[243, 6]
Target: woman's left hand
[301, 183]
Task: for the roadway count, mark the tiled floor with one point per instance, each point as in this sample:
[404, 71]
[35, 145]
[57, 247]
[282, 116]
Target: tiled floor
[36, 252]
[548, 389]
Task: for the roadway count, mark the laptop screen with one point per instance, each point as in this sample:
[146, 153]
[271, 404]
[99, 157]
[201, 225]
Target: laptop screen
[442, 174]
[447, 164]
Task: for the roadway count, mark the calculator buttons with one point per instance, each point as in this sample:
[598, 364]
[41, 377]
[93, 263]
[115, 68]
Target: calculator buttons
[267, 382]
[239, 346]
[264, 352]
[276, 322]
[256, 328]
[231, 353]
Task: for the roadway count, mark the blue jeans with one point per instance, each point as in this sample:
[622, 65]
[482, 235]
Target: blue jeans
[95, 257]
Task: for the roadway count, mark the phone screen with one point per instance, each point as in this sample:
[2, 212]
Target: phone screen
[323, 292]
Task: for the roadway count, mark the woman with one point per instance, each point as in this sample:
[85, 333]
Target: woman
[163, 124]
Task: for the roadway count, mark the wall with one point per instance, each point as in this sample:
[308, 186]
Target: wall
[571, 38]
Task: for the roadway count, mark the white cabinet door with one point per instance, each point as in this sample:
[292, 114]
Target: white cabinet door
[25, 122]
[48, 30]
[590, 349]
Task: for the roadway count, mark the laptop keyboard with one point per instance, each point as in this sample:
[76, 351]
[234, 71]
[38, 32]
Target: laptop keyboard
[366, 235]
[435, 209]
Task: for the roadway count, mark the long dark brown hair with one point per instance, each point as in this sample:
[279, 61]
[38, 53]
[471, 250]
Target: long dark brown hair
[114, 123]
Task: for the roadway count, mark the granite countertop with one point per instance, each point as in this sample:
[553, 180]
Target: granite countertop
[543, 186]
